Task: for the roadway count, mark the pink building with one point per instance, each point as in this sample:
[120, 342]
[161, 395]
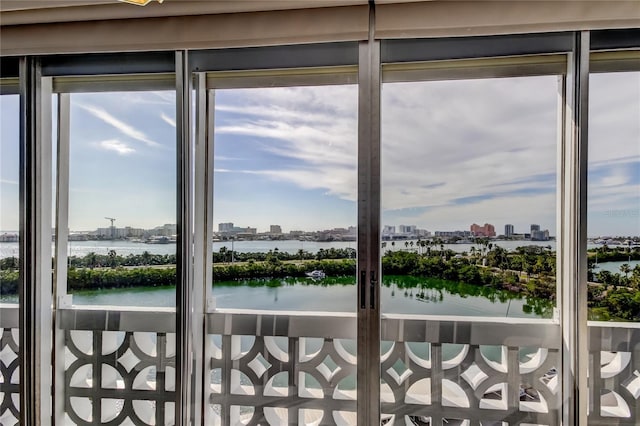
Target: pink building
[487, 230]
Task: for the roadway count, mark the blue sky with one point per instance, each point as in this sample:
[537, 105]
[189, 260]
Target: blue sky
[286, 156]
[454, 153]
[9, 157]
[470, 151]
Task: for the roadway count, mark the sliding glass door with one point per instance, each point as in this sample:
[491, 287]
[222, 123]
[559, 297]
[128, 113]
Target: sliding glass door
[281, 320]
[613, 254]
[115, 255]
[470, 325]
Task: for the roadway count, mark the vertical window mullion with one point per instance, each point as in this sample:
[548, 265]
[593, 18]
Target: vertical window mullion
[368, 263]
[573, 246]
[184, 255]
[202, 246]
[61, 299]
[582, 132]
[35, 244]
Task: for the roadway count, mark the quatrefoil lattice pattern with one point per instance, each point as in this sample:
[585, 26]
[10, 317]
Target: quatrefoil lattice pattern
[614, 371]
[118, 377]
[9, 376]
[483, 372]
[278, 380]
[268, 369]
[282, 370]
[465, 382]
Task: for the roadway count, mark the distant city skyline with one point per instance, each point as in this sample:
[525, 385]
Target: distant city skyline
[452, 152]
[280, 229]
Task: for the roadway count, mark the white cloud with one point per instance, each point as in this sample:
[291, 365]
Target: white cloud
[123, 127]
[614, 117]
[148, 98]
[225, 158]
[170, 121]
[9, 182]
[440, 141]
[337, 181]
[491, 141]
[115, 145]
[518, 210]
[315, 129]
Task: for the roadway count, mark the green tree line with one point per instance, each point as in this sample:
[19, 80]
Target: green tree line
[529, 271]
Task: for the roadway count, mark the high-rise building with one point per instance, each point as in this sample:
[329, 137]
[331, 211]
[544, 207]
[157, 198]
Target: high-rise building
[389, 229]
[275, 229]
[487, 230]
[538, 235]
[225, 227]
[534, 227]
[508, 230]
[407, 229]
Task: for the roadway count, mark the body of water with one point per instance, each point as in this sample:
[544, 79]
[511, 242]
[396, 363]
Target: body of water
[399, 294]
[124, 247]
[614, 267]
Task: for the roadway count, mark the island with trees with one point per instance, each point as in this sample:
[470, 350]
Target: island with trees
[528, 271]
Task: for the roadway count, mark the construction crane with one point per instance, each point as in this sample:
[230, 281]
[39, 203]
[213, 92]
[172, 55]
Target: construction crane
[113, 228]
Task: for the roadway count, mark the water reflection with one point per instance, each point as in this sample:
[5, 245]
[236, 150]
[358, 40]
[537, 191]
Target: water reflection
[401, 294]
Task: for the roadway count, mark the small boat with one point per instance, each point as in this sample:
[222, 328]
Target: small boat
[316, 274]
[158, 239]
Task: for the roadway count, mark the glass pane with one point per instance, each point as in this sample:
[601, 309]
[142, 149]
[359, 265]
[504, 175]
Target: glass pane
[9, 258]
[469, 215]
[119, 366]
[9, 203]
[614, 245]
[284, 253]
[122, 192]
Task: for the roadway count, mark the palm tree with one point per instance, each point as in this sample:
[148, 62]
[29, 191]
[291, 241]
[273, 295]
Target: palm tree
[625, 269]
[146, 257]
[112, 258]
[635, 277]
[92, 260]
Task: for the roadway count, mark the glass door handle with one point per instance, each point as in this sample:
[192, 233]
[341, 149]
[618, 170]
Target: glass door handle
[373, 284]
[363, 290]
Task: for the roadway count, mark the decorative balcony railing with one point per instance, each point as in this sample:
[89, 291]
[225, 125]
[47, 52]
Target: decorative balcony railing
[268, 368]
[9, 365]
[614, 351]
